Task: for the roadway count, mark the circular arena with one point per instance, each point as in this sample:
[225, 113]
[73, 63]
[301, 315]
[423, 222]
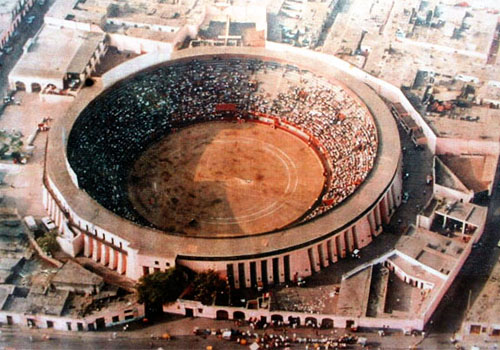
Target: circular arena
[261, 165]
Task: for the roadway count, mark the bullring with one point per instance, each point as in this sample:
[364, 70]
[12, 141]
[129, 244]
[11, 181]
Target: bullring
[360, 181]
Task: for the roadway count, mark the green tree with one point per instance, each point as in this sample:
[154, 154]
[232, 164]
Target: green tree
[113, 10]
[207, 285]
[161, 288]
[48, 242]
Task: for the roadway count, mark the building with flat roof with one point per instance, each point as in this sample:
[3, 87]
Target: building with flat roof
[132, 25]
[58, 57]
[399, 289]
[75, 278]
[483, 316]
[237, 25]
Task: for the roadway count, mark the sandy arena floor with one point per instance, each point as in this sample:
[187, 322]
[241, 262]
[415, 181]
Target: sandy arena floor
[224, 179]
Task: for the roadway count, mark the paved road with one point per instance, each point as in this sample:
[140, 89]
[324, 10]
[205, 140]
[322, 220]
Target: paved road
[140, 339]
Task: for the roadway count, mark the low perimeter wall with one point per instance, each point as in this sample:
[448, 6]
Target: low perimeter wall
[197, 309]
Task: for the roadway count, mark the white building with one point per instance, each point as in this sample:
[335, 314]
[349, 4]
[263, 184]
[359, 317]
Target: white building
[61, 57]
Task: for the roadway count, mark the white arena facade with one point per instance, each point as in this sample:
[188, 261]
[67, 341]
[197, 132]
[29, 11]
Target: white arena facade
[349, 127]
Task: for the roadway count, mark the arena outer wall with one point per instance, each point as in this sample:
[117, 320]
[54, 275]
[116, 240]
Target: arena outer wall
[134, 250]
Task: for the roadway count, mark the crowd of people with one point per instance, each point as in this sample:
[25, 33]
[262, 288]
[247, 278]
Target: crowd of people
[278, 337]
[118, 126]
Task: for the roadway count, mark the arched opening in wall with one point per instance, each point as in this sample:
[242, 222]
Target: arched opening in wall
[238, 315]
[350, 324]
[276, 319]
[311, 322]
[222, 315]
[20, 86]
[327, 323]
[35, 87]
[294, 320]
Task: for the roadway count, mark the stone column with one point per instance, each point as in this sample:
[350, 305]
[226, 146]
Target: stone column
[371, 221]
[87, 248]
[390, 197]
[120, 268]
[104, 254]
[378, 216]
[258, 270]
[246, 266]
[316, 258]
[96, 252]
[112, 258]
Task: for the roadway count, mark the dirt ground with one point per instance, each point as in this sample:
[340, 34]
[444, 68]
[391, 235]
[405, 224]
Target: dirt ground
[223, 179]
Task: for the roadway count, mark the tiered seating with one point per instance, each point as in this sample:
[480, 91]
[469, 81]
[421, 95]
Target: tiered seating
[116, 127]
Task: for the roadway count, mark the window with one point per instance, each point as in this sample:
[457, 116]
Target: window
[50, 324]
[167, 264]
[475, 329]
[128, 317]
[68, 325]
[156, 262]
[115, 318]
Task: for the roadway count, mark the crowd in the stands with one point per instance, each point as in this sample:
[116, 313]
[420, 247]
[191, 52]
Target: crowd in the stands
[115, 128]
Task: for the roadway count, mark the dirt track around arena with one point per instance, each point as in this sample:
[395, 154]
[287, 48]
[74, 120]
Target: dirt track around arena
[223, 179]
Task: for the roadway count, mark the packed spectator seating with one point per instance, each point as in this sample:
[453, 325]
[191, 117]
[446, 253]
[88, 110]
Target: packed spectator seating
[120, 124]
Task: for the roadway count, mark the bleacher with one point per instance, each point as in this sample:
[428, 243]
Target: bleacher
[116, 127]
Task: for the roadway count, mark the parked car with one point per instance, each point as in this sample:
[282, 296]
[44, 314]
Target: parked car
[355, 254]
[301, 282]
[7, 49]
[406, 196]
[30, 19]
[48, 223]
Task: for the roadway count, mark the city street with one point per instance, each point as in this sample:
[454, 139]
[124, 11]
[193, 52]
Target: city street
[180, 329]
